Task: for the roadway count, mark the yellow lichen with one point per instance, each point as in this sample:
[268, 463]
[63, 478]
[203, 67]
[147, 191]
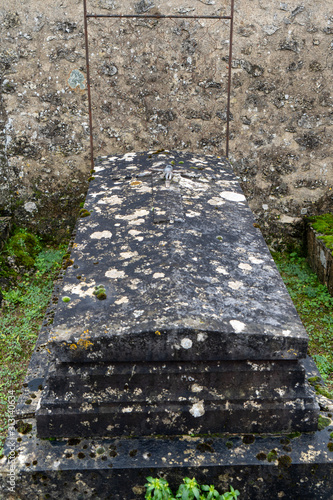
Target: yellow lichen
[84, 343]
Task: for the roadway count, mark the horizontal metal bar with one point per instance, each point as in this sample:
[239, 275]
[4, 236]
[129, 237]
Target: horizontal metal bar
[156, 16]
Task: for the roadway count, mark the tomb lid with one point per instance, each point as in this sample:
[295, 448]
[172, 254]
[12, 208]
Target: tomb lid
[168, 264]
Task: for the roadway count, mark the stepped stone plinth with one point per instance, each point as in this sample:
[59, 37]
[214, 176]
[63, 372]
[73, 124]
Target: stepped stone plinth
[194, 331]
[175, 348]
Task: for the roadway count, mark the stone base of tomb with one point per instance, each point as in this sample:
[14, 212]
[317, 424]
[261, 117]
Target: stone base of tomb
[174, 350]
[276, 466]
[283, 465]
[154, 398]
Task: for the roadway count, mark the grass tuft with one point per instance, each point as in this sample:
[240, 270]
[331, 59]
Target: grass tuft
[314, 305]
[25, 300]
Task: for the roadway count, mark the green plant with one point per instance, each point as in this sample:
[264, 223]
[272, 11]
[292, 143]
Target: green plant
[323, 224]
[25, 300]
[24, 247]
[100, 292]
[314, 305]
[158, 489]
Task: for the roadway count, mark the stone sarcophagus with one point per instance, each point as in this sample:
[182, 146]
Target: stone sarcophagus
[172, 318]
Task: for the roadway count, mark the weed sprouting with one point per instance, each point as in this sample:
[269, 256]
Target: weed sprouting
[158, 489]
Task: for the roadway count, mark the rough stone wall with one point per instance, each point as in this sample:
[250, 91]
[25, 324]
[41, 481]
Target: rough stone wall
[162, 84]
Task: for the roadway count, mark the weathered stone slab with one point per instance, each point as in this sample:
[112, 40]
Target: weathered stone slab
[173, 317]
[167, 398]
[320, 258]
[114, 378]
[295, 465]
[204, 287]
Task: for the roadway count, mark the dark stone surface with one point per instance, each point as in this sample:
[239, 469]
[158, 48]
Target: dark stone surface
[290, 466]
[5, 225]
[204, 278]
[172, 398]
[172, 318]
[320, 258]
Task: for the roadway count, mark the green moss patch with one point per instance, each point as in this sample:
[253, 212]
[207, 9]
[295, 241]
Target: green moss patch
[23, 427]
[323, 422]
[272, 456]
[100, 292]
[323, 224]
[24, 247]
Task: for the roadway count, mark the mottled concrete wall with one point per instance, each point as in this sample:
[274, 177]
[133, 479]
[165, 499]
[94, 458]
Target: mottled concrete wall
[161, 84]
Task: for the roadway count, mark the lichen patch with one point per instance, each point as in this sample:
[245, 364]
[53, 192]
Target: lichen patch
[238, 326]
[255, 260]
[215, 201]
[186, 343]
[115, 273]
[111, 200]
[244, 266]
[221, 270]
[158, 275]
[198, 409]
[101, 234]
[232, 196]
[82, 289]
[235, 285]
[123, 300]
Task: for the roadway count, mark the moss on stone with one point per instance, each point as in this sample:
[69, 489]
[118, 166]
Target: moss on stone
[24, 247]
[313, 380]
[324, 392]
[84, 213]
[323, 422]
[248, 439]
[294, 435]
[23, 427]
[67, 263]
[272, 456]
[284, 461]
[100, 292]
[323, 224]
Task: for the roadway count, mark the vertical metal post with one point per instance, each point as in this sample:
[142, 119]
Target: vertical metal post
[229, 75]
[88, 84]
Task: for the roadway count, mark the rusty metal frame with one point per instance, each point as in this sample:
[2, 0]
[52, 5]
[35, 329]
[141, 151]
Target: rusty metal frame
[154, 16]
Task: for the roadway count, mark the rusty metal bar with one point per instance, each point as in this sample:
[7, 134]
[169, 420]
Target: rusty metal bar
[88, 84]
[229, 77]
[154, 16]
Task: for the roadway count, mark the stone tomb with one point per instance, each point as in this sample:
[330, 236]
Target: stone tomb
[175, 348]
[173, 318]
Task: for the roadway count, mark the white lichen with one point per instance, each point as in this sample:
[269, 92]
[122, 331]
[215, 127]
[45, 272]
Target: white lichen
[101, 234]
[238, 326]
[197, 410]
[186, 343]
